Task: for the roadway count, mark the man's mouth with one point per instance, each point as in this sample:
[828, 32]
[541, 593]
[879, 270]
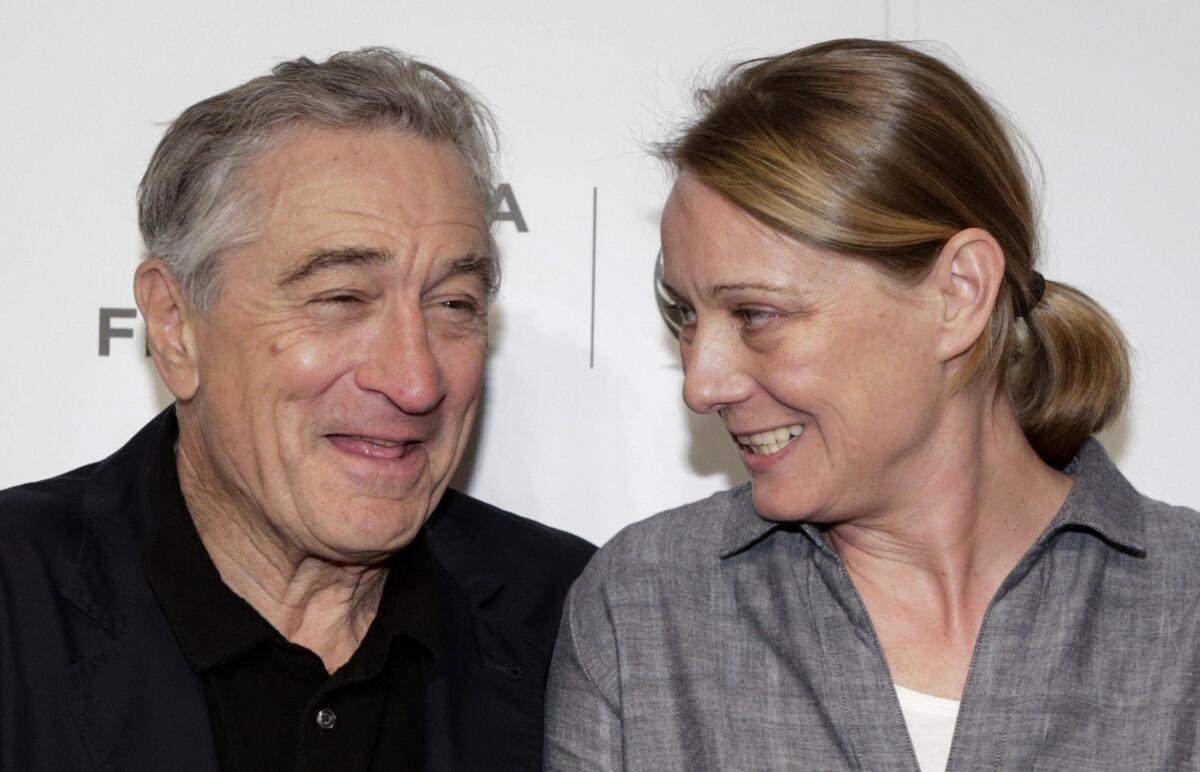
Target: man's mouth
[373, 447]
[771, 441]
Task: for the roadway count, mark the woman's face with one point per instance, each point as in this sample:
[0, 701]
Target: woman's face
[822, 368]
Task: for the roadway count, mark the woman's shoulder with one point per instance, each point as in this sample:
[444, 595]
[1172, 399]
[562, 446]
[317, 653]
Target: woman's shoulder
[682, 536]
[669, 560]
[1172, 535]
[678, 543]
[1158, 543]
[1105, 501]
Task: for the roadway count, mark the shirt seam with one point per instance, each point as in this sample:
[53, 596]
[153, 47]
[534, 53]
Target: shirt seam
[579, 658]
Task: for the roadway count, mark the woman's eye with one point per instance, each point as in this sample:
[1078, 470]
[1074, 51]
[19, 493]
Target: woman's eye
[681, 314]
[755, 318]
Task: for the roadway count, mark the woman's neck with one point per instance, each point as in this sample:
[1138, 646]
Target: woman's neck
[928, 568]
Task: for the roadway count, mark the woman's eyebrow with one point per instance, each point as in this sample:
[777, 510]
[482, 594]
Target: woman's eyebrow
[668, 290]
[775, 289]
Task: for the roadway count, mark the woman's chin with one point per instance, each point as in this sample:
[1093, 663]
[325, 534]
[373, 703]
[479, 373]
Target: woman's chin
[782, 503]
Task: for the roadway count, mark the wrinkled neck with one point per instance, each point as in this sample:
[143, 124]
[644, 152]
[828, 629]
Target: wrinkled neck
[324, 605]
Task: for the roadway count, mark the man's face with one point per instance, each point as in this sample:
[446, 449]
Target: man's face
[340, 367]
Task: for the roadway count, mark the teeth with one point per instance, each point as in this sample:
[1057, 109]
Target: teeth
[772, 440]
[377, 441]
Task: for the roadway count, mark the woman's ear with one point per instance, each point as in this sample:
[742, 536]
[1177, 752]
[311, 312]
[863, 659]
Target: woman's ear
[968, 272]
[169, 328]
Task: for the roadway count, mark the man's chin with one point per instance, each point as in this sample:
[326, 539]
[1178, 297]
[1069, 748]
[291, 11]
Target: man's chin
[368, 537]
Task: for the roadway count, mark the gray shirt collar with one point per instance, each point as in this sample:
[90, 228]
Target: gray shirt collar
[1101, 502]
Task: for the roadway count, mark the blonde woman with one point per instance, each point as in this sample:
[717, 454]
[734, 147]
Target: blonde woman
[933, 566]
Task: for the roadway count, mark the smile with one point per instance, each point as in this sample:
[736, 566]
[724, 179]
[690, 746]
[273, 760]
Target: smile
[770, 441]
[373, 447]
[377, 441]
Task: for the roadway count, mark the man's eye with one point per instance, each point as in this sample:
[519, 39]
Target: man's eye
[459, 307]
[341, 298]
[338, 306]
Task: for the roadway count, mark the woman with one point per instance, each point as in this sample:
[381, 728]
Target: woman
[933, 565]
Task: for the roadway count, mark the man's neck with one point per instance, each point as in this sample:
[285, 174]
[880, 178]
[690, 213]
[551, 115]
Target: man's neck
[321, 604]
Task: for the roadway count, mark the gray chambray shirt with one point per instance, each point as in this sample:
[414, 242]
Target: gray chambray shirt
[707, 638]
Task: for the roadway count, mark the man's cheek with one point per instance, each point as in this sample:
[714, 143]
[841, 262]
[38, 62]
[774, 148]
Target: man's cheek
[462, 362]
[309, 367]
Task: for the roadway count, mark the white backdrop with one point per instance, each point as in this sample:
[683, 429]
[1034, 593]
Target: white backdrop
[585, 437]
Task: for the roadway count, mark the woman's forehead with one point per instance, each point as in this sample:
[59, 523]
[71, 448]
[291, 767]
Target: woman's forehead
[715, 247]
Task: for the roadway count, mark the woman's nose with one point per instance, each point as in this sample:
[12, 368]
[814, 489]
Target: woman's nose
[713, 373]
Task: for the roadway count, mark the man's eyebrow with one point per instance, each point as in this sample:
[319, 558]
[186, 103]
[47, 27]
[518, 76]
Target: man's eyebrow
[333, 257]
[483, 266]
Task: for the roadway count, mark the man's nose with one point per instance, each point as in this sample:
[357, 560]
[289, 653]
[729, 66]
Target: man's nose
[714, 376]
[401, 364]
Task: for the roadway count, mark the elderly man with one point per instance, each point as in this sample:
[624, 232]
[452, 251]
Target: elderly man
[272, 574]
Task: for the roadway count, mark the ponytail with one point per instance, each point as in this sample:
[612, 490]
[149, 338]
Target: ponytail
[1070, 375]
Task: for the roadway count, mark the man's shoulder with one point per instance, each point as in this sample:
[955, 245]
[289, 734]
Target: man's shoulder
[41, 535]
[43, 513]
[511, 565]
[507, 537]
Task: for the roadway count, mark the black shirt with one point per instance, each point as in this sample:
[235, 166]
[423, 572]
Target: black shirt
[271, 702]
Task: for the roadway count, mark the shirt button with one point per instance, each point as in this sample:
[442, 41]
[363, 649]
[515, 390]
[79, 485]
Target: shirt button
[326, 718]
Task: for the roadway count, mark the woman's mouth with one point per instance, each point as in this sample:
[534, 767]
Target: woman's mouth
[771, 441]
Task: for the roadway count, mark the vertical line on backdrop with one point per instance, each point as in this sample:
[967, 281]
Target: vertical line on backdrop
[592, 343]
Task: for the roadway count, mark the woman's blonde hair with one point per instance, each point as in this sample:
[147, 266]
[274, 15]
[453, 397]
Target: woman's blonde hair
[880, 152]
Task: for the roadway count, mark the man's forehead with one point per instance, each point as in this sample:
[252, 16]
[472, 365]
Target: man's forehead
[317, 169]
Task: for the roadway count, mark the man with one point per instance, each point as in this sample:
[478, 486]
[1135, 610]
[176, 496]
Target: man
[272, 574]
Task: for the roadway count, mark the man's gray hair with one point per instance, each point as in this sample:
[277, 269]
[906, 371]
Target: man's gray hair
[191, 207]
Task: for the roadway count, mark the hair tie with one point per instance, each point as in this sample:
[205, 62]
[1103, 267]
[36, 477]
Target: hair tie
[1037, 288]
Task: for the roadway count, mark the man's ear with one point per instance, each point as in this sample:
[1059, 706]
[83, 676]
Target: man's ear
[968, 273]
[170, 332]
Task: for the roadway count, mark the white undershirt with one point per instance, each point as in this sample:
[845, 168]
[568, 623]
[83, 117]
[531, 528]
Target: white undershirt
[930, 722]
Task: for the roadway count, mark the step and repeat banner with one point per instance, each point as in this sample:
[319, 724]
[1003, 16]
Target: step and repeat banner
[583, 426]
